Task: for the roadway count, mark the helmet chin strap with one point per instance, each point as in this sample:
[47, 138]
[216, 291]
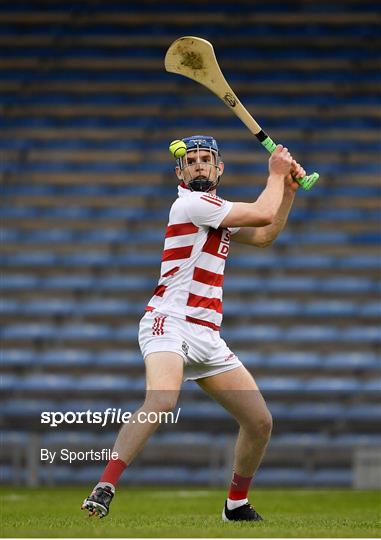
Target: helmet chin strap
[201, 184]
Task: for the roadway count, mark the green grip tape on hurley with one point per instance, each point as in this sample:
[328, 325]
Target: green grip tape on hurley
[307, 181]
[269, 144]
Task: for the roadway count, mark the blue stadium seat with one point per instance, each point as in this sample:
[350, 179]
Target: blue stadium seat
[44, 382]
[87, 189]
[119, 358]
[61, 474]
[84, 331]
[27, 407]
[296, 440]
[85, 474]
[332, 385]
[280, 384]
[149, 236]
[316, 411]
[348, 284]
[14, 437]
[206, 476]
[244, 283]
[106, 235]
[292, 283]
[8, 382]
[366, 238]
[18, 212]
[322, 237]
[18, 357]
[123, 213]
[106, 306]
[209, 410]
[364, 412]
[125, 332]
[102, 383]
[124, 282]
[187, 437]
[93, 404]
[294, 359]
[9, 306]
[68, 212]
[66, 358]
[371, 309]
[331, 308]
[163, 475]
[68, 281]
[352, 360]
[6, 474]
[261, 260]
[137, 259]
[10, 235]
[282, 476]
[28, 331]
[356, 439]
[365, 261]
[32, 258]
[50, 306]
[54, 236]
[253, 333]
[19, 281]
[86, 258]
[252, 359]
[362, 334]
[271, 307]
[372, 387]
[68, 438]
[336, 477]
[310, 333]
[315, 261]
[340, 214]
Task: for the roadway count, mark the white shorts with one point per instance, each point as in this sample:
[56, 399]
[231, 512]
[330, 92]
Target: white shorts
[205, 353]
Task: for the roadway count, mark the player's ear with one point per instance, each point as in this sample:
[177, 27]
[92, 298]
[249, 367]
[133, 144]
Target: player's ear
[221, 166]
[179, 173]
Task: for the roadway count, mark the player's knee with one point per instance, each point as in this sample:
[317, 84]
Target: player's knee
[261, 428]
[161, 401]
[265, 426]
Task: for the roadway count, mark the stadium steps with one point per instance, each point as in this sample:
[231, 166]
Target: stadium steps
[53, 360]
[109, 310]
[124, 41]
[48, 144]
[40, 158]
[188, 18]
[45, 384]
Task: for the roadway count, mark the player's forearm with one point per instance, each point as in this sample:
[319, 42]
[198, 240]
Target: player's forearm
[270, 200]
[270, 232]
[260, 213]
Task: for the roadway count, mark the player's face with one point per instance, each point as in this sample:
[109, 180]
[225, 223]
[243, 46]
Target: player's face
[199, 164]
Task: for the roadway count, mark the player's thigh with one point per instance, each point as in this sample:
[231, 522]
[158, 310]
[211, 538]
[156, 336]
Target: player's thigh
[164, 375]
[237, 391]
[164, 371]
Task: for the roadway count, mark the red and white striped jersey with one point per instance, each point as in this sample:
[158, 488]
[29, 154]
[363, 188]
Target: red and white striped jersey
[193, 260]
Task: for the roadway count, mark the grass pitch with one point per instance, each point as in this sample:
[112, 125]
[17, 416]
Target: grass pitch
[54, 512]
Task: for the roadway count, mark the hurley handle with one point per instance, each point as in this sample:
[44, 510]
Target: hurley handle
[307, 181]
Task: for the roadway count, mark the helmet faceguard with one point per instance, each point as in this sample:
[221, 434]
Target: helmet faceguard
[201, 182]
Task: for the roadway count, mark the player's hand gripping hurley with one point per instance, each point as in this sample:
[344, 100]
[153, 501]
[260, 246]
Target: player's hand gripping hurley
[194, 57]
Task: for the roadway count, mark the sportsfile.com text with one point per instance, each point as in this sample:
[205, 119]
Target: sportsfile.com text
[109, 416]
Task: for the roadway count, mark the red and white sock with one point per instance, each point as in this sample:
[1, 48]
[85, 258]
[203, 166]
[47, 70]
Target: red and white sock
[239, 488]
[111, 474]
